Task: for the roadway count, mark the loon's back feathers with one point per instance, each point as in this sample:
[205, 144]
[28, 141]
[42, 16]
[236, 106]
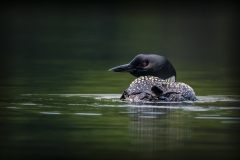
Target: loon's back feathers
[156, 82]
[156, 89]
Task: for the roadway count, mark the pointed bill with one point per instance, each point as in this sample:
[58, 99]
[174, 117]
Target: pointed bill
[122, 68]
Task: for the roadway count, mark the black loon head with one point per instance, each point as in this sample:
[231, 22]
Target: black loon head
[148, 65]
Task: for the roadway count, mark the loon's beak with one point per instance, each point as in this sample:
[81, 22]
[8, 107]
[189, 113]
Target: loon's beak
[122, 68]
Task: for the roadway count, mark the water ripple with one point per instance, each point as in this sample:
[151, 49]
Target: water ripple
[88, 114]
[147, 117]
[50, 113]
[217, 117]
[153, 112]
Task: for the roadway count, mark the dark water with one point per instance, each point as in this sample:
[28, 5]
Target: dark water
[99, 126]
[58, 101]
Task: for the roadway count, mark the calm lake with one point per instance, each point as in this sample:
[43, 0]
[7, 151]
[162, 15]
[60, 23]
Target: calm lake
[58, 100]
[99, 126]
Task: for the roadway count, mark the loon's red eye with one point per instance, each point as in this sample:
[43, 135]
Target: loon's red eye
[145, 63]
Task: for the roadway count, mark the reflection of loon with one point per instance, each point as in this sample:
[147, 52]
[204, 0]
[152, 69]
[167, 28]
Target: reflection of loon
[155, 128]
[156, 80]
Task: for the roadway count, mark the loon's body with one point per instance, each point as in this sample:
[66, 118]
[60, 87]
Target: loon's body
[149, 88]
[156, 82]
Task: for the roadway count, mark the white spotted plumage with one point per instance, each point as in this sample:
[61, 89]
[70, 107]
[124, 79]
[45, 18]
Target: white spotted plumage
[175, 91]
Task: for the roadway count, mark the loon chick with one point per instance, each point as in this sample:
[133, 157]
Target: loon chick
[156, 82]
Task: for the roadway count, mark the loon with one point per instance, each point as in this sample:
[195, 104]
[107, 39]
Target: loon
[156, 80]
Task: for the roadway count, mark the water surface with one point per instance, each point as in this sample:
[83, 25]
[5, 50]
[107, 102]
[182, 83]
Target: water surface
[100, 126]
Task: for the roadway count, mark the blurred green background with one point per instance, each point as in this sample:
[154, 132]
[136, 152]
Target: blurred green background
[63, 48]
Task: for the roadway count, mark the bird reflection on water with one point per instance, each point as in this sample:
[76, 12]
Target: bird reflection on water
[156, 127]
